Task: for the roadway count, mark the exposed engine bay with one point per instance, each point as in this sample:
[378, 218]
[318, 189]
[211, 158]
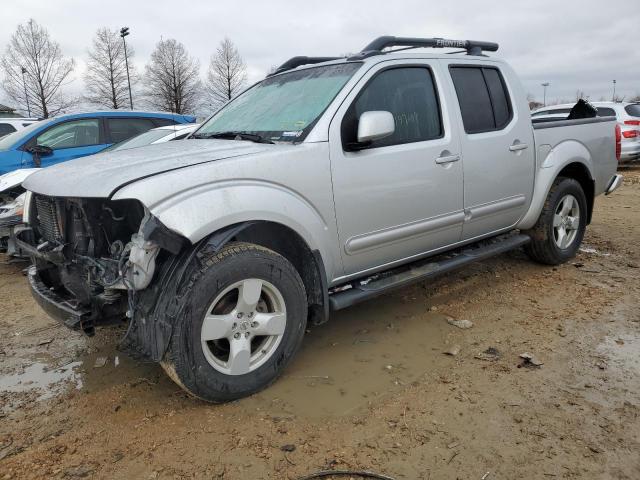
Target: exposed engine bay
[94, 254]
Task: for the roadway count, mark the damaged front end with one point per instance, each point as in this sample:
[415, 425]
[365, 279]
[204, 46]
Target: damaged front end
[91, 256]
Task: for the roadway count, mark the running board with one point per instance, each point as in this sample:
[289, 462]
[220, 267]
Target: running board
[425, 269]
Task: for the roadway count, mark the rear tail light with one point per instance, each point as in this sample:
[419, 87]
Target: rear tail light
[632, 122]
[630, 134]
[618, 142]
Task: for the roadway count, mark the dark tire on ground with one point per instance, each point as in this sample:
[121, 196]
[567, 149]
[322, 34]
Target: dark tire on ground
[543, 247]
[186, 362]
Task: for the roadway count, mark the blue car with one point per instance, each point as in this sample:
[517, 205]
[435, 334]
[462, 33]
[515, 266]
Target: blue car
[77, 135]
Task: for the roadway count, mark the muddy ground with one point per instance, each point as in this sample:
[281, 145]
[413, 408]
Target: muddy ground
[370, 390]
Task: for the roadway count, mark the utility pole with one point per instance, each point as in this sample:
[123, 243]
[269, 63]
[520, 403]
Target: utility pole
[544, 86]
[613, 99]
[124, 31]
[24, 84]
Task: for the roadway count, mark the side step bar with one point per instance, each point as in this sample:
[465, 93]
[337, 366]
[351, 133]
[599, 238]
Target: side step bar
[425, 269]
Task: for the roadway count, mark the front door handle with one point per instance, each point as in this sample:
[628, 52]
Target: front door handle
[447, 159]
[518, 146]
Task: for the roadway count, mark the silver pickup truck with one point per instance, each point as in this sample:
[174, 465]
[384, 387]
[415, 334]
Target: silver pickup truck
[330, 182]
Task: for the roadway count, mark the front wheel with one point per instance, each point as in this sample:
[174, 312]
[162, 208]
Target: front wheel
[243, 318]
[557, 235]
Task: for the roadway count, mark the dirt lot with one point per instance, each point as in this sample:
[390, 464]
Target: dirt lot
[370, 390]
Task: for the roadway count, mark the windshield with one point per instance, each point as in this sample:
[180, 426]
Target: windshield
[16, 138]
[633, 109]
[284, 107]
[141, 140]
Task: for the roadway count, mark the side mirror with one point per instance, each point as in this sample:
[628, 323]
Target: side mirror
[40, 150]
[375, 125]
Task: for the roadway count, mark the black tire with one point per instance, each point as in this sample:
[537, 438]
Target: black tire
[543, 247]
[185, 361]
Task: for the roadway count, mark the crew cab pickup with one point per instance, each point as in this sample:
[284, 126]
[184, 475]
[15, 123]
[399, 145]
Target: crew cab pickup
[330, 182]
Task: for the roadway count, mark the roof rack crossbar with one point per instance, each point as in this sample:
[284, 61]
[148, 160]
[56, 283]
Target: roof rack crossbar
[473, 47]
[295, 62]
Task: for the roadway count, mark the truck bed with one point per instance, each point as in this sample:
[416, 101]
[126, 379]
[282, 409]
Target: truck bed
[589, 138]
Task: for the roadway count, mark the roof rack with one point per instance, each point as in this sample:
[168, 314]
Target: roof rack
[298, 61]
[472, 47]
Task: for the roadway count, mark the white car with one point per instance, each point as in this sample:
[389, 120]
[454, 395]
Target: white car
[10, 125]
[156, 135]
[627, 114]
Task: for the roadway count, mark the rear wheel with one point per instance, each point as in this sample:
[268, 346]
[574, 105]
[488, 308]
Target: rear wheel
[244, 316]
[558, 233]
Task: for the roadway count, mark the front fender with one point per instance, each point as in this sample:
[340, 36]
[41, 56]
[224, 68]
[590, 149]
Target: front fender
[197, 212]
[548, 168]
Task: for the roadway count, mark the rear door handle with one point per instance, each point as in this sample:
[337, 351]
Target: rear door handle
[447, 159]
[518, 146]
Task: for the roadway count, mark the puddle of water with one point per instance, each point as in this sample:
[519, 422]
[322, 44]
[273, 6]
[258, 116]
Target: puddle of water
[42, 378]
[362, 354]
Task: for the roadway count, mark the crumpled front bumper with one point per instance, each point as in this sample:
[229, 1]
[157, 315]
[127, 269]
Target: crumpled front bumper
[63, 310]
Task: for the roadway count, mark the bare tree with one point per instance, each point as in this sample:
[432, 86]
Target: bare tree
[227, 74]
[172, 78]
[106, 76]
[635, 98]
[35, 71]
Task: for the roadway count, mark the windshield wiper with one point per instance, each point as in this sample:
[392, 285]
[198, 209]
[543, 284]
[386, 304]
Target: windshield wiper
[252, 137]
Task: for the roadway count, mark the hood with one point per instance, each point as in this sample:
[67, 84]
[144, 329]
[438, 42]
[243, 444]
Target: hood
[100, 175]
[13, 179]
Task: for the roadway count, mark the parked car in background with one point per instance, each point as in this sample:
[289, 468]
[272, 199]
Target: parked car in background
[154, 136]
[12, 192]
[10, 125]
[627, 114]
[328, 183]
[66, 137]
[554, 112]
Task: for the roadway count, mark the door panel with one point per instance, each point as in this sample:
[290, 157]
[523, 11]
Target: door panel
[402, 196]
[497, 146]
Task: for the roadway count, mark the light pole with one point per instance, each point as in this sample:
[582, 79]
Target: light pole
[544, 86]
[124, 31]
[24, 84]
[613, 99]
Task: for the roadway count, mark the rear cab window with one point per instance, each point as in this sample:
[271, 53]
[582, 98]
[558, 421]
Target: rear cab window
[554, 111]
[126, 127]
[483, 97]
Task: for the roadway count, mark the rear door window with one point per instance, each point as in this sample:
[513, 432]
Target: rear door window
[163, 122]
[6, 128]
[123, 128]
[483, 97]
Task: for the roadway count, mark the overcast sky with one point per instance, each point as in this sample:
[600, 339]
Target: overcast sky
[572, 44]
